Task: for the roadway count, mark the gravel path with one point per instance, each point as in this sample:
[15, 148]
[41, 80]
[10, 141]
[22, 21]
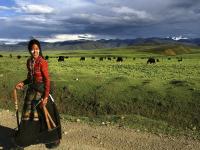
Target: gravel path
[81, 136]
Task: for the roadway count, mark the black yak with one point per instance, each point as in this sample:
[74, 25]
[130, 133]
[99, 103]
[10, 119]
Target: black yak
[101, 58]
[61, 58]
[82, 59]
[109, 58]
[151, 61]
[46, 57]
[18, 56]
[119, 59]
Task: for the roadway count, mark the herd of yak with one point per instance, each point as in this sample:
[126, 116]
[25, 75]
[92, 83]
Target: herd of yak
[150, 60]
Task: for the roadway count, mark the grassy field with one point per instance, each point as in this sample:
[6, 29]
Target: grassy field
[161, 96]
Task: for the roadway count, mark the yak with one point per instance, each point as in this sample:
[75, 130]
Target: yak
[61, 58]
[82, 59]
[119, 59]
[151, 61]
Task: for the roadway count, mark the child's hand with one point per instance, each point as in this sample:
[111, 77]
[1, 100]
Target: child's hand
[20, 85]
[43, 102]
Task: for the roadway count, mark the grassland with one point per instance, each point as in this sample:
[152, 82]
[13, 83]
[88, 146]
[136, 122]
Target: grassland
[162, 97]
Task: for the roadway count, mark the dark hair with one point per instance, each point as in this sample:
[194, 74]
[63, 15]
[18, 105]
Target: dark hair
[31, 43]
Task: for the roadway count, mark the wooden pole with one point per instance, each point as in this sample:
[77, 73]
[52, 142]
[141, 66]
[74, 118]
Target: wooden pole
[50, 119]
[16, 105]
[46, 118]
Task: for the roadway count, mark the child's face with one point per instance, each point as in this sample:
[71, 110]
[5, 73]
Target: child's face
[35, 51]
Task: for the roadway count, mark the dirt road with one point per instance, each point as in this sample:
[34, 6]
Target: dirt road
[81, 136]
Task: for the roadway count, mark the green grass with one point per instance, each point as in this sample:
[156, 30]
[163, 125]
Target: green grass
[166, 93]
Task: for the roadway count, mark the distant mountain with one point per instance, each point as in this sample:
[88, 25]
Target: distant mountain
[100, 44]
[191, 41]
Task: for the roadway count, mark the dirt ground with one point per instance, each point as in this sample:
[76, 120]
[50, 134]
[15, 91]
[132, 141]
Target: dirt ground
[81, 136]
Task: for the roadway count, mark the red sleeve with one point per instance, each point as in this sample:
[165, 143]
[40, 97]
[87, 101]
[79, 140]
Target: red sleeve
[46, 78]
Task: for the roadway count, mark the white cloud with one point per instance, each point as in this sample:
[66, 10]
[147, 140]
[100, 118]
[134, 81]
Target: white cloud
[125, 10]
[30, 18]
[11, 41]
[57, 4]
[4, 8]
[8, 8]
[37, 9]
[4, 18]
[176, 38]
[68, 37]
[54, 38]
[111, 19]
[31, 21]
[130, 11]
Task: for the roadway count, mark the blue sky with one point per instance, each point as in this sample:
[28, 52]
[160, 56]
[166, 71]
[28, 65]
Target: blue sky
[60, 20]
[7, 2]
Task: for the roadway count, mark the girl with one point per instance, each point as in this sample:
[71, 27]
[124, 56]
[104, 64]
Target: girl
[33, 127]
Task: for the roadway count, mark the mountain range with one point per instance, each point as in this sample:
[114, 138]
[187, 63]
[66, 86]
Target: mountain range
[100, 44]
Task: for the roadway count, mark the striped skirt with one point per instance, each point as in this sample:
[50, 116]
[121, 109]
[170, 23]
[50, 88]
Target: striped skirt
[33, 127]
